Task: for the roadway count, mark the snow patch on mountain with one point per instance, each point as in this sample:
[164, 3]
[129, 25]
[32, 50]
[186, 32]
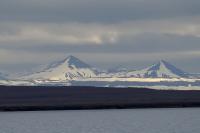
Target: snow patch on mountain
[67, 69]
[162, 69]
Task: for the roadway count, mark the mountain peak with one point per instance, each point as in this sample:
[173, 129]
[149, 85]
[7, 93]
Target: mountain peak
[71, 57]
[165, 69]
[74, 61]
[163, 61]
[69, 68]
[161, 69]
[71, 61]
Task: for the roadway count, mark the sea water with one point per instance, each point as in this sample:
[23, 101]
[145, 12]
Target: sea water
[178, 120]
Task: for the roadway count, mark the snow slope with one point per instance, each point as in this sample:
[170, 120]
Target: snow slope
[67, 69]
[162, 69]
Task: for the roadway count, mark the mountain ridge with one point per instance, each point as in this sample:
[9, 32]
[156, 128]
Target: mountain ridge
[161, 69]
[72, 68]
[67, 69]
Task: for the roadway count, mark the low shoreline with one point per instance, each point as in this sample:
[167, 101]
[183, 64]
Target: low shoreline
[38, 98]
[139, 106]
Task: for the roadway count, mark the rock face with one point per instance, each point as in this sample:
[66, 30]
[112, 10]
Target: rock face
[67, 69]
[162, 69]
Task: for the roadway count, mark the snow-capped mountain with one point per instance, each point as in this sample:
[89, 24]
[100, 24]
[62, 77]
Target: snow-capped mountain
[67, 69]
[162, 69]
[71, 68]
[72, 71]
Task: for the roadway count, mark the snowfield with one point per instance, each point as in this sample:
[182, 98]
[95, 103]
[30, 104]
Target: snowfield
[113, 79]
[153, 83]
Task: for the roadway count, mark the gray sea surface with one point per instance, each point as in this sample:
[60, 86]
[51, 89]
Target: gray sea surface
[177, 120]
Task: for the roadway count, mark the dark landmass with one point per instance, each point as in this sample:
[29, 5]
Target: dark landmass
[32, 98]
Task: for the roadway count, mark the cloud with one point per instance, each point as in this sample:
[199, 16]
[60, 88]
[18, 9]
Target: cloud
[28, 33]
[107, 11]
[56, 33]
[38, 31]
[127, 37]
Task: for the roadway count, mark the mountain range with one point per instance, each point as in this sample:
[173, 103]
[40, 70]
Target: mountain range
[72, 68]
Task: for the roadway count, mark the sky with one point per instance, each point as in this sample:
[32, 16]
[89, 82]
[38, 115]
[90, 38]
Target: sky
[103, 33]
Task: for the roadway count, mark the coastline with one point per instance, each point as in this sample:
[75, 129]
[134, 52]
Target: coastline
[38, 98]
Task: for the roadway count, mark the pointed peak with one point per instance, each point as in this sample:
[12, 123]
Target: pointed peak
[71, 57]
[158, 65]
[166, 68]
[72, 60]
[163, 62]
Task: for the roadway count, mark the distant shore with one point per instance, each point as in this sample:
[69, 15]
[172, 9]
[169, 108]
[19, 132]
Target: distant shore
[36, 98]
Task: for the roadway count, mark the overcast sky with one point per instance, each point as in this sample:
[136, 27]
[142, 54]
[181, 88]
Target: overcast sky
[103, 33]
